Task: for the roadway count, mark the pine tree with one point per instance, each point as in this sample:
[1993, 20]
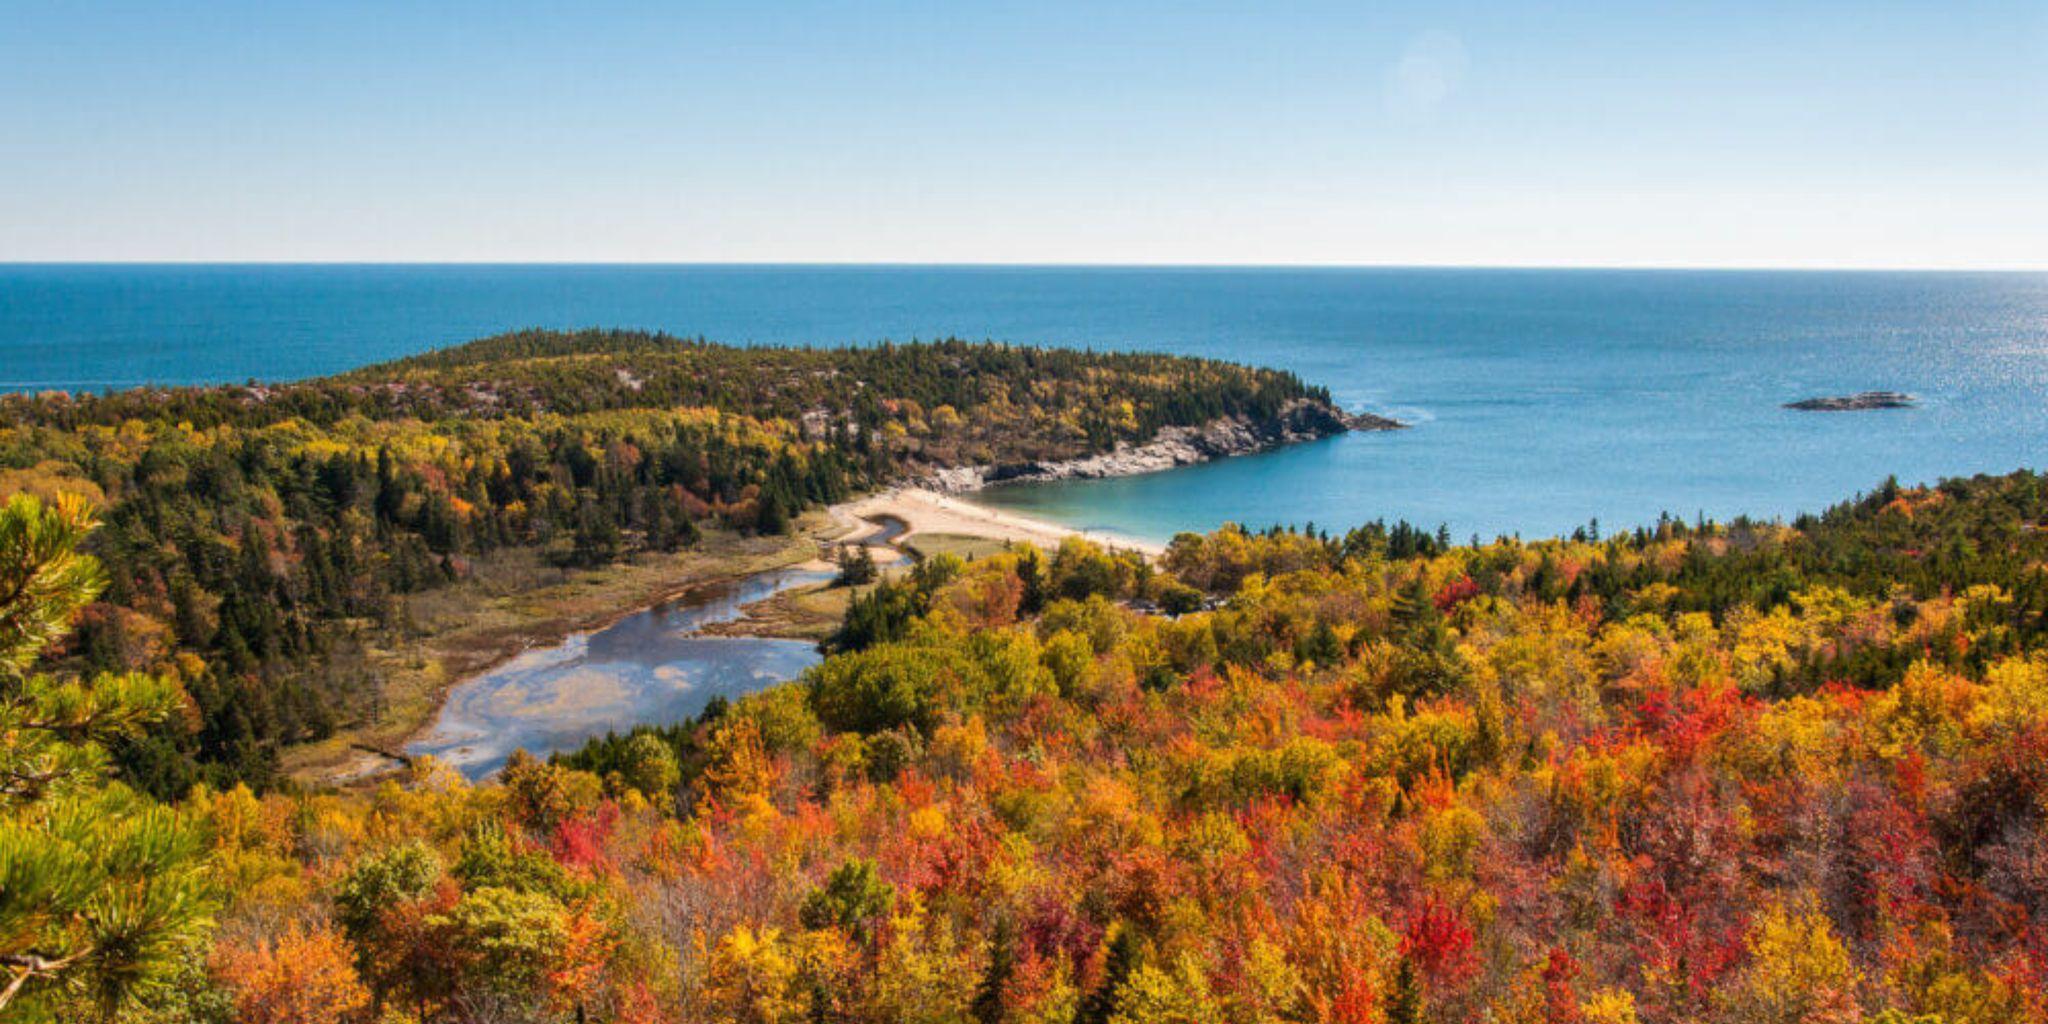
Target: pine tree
[101, 889]
[1321, 647]
[1117, 965]
[597, 541]
[856, 566]
[1031, 572]
[1404, 1003]
[772, 516]
[988, 1006]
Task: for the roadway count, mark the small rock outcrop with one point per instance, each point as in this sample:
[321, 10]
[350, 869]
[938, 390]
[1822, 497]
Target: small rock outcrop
[1301, 420]
[1853, 403]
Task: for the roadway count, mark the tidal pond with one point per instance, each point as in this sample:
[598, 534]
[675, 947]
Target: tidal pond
[653, 666]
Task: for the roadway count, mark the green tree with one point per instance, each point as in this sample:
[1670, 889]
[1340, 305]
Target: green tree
[512, 938]
[649, 765]
[1404, 1002]
[771, 517]
[102, 890]
[1102, 1005]
[856, 566]
[988, 1006]
[1174, 994]
[376, 885]
[378, 904]
[853, 898]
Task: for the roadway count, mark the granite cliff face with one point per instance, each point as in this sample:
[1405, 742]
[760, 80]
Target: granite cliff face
[1301, 420]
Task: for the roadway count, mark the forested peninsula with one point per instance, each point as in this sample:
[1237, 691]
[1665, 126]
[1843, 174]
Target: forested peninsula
[319, 559]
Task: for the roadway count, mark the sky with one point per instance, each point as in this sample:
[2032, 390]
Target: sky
[1866, 134]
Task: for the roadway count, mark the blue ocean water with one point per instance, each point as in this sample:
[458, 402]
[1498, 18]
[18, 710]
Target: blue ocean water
[1541, 399]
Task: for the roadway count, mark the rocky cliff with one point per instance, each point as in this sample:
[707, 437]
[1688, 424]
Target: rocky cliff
[1301, 420]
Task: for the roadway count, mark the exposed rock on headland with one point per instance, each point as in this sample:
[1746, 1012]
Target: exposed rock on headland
[1300, 420]
[1852, 403]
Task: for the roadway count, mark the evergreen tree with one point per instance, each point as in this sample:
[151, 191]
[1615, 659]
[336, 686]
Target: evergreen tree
[853, 898]
[1117, 965]
[1404, 1003]
[1031, 572]
[101, 889]
[988, 1006]
[856, 566]
[772, 516]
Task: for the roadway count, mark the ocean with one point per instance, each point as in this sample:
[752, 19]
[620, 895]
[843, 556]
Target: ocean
[1540, 399]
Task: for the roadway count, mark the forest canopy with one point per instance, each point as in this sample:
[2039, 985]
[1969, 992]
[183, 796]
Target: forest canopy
[1742, 773]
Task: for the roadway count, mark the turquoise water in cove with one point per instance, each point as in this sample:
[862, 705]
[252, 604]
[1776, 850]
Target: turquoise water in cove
[1540, 399]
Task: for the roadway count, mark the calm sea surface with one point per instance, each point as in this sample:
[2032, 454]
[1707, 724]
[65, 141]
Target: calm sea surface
[1540, 399]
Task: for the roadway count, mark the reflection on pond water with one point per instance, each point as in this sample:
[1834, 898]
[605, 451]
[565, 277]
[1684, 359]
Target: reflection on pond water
[649, 667]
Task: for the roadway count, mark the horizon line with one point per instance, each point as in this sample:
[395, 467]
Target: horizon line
[1044, 265]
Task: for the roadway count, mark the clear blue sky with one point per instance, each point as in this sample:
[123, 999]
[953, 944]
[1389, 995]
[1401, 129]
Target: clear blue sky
[1730, 133]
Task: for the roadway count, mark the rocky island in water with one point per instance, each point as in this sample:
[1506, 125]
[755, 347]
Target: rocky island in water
[1855, 403]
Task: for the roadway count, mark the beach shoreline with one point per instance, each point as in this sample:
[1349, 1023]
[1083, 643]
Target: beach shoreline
[924, 510]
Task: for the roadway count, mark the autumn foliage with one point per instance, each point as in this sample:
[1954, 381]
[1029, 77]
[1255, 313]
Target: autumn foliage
[1741, 774]
[301, 976]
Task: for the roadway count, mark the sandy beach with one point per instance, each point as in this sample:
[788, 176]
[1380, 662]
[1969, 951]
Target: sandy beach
[926, 511]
